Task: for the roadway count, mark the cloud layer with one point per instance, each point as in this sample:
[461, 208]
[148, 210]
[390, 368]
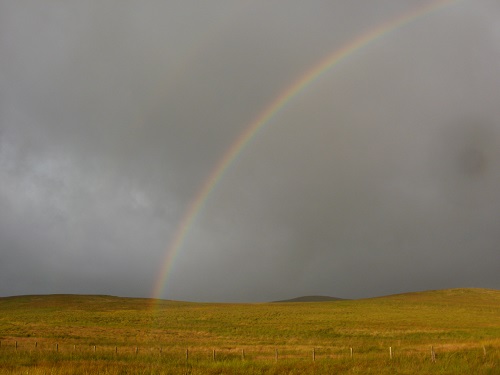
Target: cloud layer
[381, 177]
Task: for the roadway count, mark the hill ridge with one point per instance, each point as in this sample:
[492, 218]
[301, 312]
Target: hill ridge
[450, 293]
[312, 298]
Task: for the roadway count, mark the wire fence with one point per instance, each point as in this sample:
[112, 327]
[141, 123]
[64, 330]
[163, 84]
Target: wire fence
[251, 353]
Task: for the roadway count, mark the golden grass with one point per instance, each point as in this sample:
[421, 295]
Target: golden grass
[461, 324]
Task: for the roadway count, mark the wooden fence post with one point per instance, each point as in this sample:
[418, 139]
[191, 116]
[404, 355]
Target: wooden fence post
[213, 354]
[16, 345]
[116, 349]
[433, 354]
[136, 350]
[351, 352]
[390, 352]
[94, 349]
[242, 354]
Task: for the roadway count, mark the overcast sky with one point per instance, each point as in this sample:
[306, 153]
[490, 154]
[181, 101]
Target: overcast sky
[381, 177]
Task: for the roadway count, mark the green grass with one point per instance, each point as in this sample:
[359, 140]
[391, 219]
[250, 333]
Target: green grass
[459, 323]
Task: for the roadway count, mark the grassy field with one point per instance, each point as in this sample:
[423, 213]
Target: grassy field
[62, 334]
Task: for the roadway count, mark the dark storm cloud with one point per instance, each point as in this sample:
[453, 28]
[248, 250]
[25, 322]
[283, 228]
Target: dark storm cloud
[381, 177]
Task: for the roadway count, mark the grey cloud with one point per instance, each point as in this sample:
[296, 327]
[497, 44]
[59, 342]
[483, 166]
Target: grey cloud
[380, 177]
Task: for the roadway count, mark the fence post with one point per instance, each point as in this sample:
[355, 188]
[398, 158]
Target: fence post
[213, 354]
[187, 355]
[314, 354]
[136, 350]
[242, 354]
[36, 344]
[16, 345]
[351, 351]
[116, 349]
[484, 351]
[433, 354]
[94, 349]
[390, 352]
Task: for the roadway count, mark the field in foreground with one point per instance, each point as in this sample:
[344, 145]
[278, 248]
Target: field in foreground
[61, 334]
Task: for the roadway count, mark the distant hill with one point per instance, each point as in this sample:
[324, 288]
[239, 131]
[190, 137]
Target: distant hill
[455, 295]
[446, 296]
[312, 299]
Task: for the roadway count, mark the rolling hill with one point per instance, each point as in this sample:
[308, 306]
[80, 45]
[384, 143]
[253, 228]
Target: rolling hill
[105, 334]
[312, 299]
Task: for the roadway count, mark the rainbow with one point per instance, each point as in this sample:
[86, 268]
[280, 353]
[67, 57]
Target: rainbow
[269, 112]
